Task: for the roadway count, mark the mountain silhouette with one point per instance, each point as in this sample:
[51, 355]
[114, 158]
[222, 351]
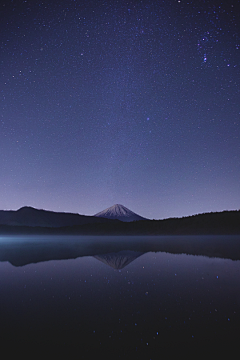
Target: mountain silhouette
[119, 212]
[116, 220]
[29, 216]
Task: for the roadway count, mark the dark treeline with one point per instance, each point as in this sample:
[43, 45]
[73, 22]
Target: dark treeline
[218, 223]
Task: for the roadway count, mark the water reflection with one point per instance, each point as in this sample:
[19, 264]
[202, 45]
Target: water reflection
[21, 251]
[120, 259]
[136, 302]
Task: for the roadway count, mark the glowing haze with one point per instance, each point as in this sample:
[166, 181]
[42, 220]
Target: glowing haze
[130, 102]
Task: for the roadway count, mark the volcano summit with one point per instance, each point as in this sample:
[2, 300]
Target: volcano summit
[121, 213]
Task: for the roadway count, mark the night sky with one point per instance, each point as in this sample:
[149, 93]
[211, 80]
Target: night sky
[129, 102]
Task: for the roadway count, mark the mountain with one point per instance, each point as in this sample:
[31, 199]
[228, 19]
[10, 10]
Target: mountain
[119, 212]
[29, 216]
[116, 220]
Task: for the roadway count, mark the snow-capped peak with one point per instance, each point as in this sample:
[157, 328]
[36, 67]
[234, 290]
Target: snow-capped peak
[119, 212]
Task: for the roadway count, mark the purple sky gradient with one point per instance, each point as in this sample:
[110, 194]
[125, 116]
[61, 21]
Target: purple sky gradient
[129, 102]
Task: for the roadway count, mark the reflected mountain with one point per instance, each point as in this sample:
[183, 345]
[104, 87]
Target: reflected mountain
[115, 251]
[24, 253]
[120, 259]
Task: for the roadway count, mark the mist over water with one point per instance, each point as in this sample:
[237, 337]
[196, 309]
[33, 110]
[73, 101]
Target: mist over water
[129, 302]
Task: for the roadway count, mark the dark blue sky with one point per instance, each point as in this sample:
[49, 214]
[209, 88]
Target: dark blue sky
[130, 102]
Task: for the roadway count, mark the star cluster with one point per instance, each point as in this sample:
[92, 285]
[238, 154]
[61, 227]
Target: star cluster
[131, 102]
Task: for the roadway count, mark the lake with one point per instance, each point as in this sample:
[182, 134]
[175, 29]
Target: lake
[121, 297]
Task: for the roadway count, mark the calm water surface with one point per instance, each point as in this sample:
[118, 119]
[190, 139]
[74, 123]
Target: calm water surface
[132, 303]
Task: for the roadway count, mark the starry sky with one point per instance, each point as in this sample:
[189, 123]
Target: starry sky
[129, 102]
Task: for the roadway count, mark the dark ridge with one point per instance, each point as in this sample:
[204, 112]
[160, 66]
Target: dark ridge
[218, 223]
[31, 217]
